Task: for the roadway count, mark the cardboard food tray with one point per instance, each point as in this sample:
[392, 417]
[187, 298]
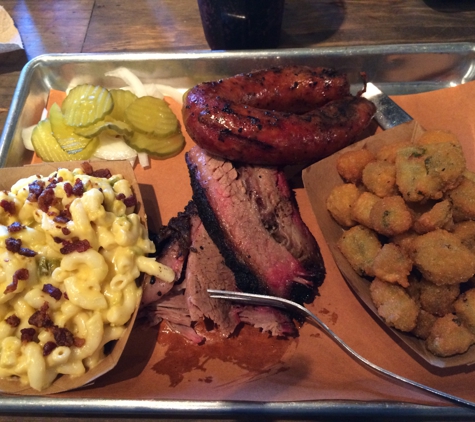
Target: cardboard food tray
[318, 193]
[303, 377]
[9, 176]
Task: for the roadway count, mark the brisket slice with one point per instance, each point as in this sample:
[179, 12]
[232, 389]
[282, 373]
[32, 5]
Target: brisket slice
[172, 247]
[252, 216]
[205, 269]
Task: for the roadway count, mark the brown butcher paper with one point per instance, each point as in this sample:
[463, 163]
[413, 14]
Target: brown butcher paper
[158, 364]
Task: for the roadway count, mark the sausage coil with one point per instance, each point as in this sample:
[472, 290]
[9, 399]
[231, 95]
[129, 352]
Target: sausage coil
[277, 116]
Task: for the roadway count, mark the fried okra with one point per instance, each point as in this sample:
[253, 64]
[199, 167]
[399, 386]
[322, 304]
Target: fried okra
[465, 231]
[361, 209]
[392, 265]
[379, 177]
[388, 152]
[340, 202]
[448, 337]
[425, 321]
[394, 305]
[437, 299]
[463, 200]
[404, 241]
[465, 309]
[350, 164]
[359, 245]
[438, 217]
[441, 258]
[426, 172]
[437, 137]
[391, 216]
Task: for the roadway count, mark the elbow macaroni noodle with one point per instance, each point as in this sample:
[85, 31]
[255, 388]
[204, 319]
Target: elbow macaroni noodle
[83, 296]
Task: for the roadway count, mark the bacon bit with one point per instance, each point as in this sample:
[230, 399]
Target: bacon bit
[27, 252]
[130, 201]
[62, 336]
[21, 274]
[12, 244]
[49, 347]
[79, 342]
[68, 189]
[27, 334]
[40, 318]
[60, 219]
[105, 173]
[120, 196]
[13, 321]
[46, 199]
[53, 291]
[75, 246]
[35, 189]
[15, 227]
[57, 239]
[87, 168]
[66, 231]
[8, 206]
[78, 188]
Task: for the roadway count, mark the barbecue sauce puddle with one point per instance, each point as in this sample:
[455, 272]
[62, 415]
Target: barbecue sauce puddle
[251, 350]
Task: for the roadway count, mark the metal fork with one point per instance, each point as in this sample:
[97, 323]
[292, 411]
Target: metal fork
[263, 300]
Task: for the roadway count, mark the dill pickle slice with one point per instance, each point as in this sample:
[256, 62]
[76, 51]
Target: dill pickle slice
[122, 99]
[152, 115]
[47, 148]
[91, 131]
[64, 134]
[157, 147]
[86, 104]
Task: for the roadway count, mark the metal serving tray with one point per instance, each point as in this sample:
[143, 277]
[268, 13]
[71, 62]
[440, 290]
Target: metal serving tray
[397, 69]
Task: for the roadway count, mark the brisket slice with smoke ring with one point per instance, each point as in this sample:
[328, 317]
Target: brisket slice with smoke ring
[252, 216]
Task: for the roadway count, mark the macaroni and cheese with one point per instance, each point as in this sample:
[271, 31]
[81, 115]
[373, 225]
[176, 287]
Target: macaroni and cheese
[71, 249]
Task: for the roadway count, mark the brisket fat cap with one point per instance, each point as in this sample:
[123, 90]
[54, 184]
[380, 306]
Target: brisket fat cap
[252, 216]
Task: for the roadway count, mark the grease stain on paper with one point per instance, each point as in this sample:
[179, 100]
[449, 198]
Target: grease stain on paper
[249, 355]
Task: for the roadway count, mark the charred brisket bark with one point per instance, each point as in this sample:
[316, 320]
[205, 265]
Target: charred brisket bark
[252, 216]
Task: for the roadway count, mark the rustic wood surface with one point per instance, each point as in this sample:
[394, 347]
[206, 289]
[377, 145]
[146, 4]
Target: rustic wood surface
[66, 26]
[84, 26]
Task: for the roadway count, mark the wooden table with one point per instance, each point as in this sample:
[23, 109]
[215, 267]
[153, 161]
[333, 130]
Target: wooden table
[86, 26]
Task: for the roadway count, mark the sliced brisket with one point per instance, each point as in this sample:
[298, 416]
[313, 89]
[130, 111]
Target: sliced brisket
[172, 244]
[205, 269]
[252, 216]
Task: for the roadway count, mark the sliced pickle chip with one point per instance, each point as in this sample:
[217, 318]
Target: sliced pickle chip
[157, 147]
[64, 134]
[91, 131]
[122, 99]
[47, 147]
[86, 104]
[152, 115]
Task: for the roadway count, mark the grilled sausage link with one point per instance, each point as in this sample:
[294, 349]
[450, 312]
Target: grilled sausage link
[279, 116]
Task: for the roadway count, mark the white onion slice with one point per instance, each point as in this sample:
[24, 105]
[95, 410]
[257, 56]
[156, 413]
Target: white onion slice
[168, 91]
[130, 79]
[113, 148]
[144, 159]
[26, 137]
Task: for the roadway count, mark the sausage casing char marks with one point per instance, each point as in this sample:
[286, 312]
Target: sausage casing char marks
[278, 116]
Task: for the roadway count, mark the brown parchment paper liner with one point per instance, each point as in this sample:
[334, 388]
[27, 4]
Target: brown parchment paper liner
[8, 176]
[158, 365]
